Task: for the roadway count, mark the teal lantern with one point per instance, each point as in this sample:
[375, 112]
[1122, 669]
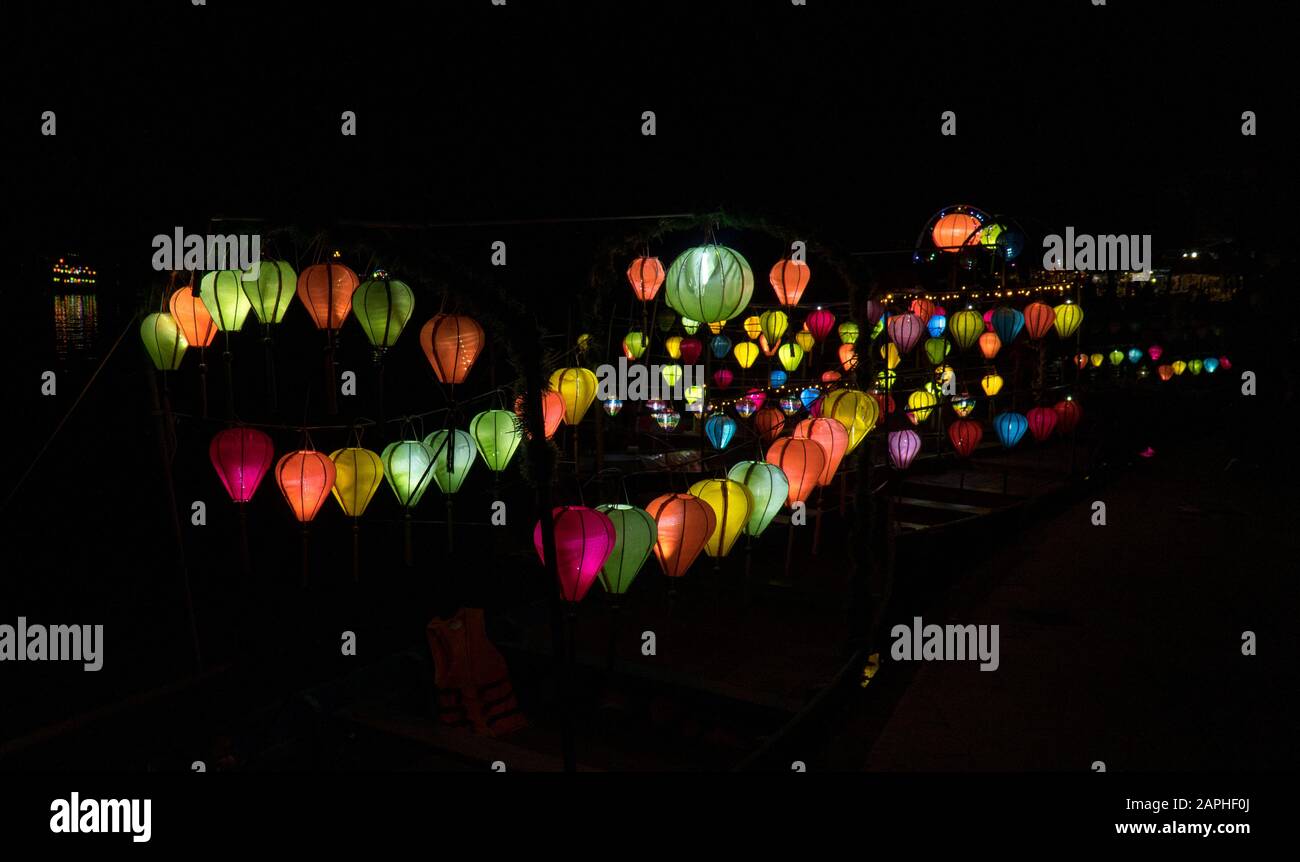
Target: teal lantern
[709, 283]
[453, 455]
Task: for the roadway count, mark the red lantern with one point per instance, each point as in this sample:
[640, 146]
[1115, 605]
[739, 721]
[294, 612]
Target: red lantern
[1068, 414]
[646, 275]
[722, 378]
[305, 478]
[802, 461]
[833, 438]
[1042, 422]
[690, 349]
[905, 330]
[1081, 360]
[820, 323]
[683, 524]
[769, 422]
[885, 400]
[1166, 372]
[451, 343]
[242, 456]
[1039, 317]
[584, 539]
[965, 435]
[789, 279]
[326, 291]
[830, 376]
[923, 309]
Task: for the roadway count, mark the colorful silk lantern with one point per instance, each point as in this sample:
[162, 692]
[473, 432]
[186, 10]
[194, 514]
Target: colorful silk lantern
[690, 350]
[656, 406]
[937, 325]
[1211, 365]
[671, 373]
[1006, 322]
[922, 308]
[965, 328]
[769, 348]
[1134, 355]
[830, 376]
[1039, 318]
[498, 433]
[326, 291]
[856, 411]
[454, 452]
[920, 404]
[753, 327]
[241, 457]
[808, 395]
[731, 505]
[991, 384]
[720, 345]
[271, 293]
[358, 473]
[191, 315]
[383, 306]
[819, 323]
[1195, 366]
[1155, 351]
[848, 354]
[1042, 422]
[746, 353]
[833, 438]
[848, 332]
[1179, 366]
[1068, 414]
[1166, 372]
[577, 386]
[990, 344]
[611, 406]
[1081, 361]
[903, 446]
[584, 540]
[769, 422]
[720, 429]
[1225, 363]
[634, 344]
[710, 282]
[772, 325]
[408, 469]
[905, 331]
[305, 478]
[722, 378]
[646, 274]
[768, 489]
[965, 435]
[745, 408]
[451, 343]
[790, 405]
[635, 534]
[683, 524]
[936, 349]
[802, 460]
[789, 355]
[1116, 357]
[673, 344]
[789, 279]
[963, 404]
[1068, 318]
[163, 340]
[954, 230]
[223, 295]
[777, 378]
[805, 340]
[1096, 359]
[1010, 428]
[667, 420]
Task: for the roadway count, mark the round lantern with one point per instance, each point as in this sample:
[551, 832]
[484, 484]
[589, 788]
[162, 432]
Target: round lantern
[722, 378]
[673, 344]
[690, 350]
[937, 325]
[777, 378]
[905, 330]
[1068, 414]
[1068, 318]
[191, 315]
[1155, 351]
[709, 282]
[408, 469]
[305, 479]
[768, 489]
[833, 438]
[241, 457]
[1096, 360]
[720, 345]
[965, 435]
[1010, 427]
[577, 386]
[990, 344]
[163, 340]
[805, 340]
[1116, 357]
[802, 461]
[789, 279]
[1166, 372]
[965, 327]
[645, 275]
[991, 384]
[683, 524]
[584, 540]
[720, 429]
[326, 291]
[1007, 323]
[920, 404]
[498, 434]
[383, 306]
[819, 323]
[634, 344]
[903, 446]
[731, 505]
[358, 473]
[769, 422]
[223, 294]
[746, 352]
[1042, 422]
[451, 343]
[634, 535]
[936, 349]
[272, 291]
[953, 231]
[856, 411]
[1039, 318]
[848, 332]
[453, 455]
[790, 355]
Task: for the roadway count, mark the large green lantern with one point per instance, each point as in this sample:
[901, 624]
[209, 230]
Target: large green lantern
[453, 455]
[966, 327]
[773, 325]
[497, 433]
[272, 291]
[358, 473]
[163, 340]
[709, 282]
[383, 306]
[635, 535]
[408, 469]
[768, 488]
[223, 295]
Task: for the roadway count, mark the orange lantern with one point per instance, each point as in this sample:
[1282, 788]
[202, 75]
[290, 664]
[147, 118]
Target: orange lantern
[326, 291]
[830, 376]
[802, 461]
[1166, 372]
[769, 422]
[833, 438]
[768, 349]
[789, 278]
[646, 275]
[451, 343]
[683, 524]
[192, 317]
[305, 478]
[1039, 318]
[552, 412]
[848, 357]
[990, 344]
[922, 308]
[952, 231]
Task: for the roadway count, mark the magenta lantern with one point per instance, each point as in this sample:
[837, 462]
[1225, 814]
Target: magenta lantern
[756, 397]
[242, 456]
[690, 348]
[722, 378]
[820, 323]
[584, 539]
[903, 446]
[1042, 422]
[1155, 351]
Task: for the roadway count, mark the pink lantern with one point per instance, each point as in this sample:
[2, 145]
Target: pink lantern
[756, 397]
[242, 456]
[903, 446]
[820, 323]
[1224, 363]
[1155, 351]
[988, 320]
[1042, 422]
[584, 539]
[905, 330]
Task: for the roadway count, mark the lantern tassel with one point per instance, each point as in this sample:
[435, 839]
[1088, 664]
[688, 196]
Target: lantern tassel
[331, 397]
[203, 383]
[306, 553]
[406, 528]
[356, 550]
[270, 370]
[451, 532]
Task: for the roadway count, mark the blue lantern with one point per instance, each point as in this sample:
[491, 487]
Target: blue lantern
[720, 429]
[720, 345]
[777, 378]
[1010, 427]
[812, 393]
[936, 325]
[1010, 243]
[1211, 364]
[612, 406]
[1007, 323]
[1134, 355]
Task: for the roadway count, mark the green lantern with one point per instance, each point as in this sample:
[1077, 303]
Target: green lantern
[1195, 366]
[966, 327]
[848, 332]
[272, 291]
[768, 488]
[665, 319]
[408, 469]
[690, 325]
[634, 344]
[383, 306]
[498, 434]
[936, 349]
[163, 340]
[773, 325]
[223, 295]
[790, 356]
[1116, 357]
[709, 282]
[635, 534]
[877, 329]
[453, 455]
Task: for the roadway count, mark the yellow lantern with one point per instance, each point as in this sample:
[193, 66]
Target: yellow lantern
[716, 326]
[886, 379]
[674, 346]
[731, 503]
[790, 355]
[920, 404]
[805, 340]
[1096, 359]
[856, 411]
[695, 394]
[577, 386]
[889, 353]
[773, 324]
[753, 327]
[1180, 366]
[746, 352]
[991, 384]
[1068, 318]
[358, 473]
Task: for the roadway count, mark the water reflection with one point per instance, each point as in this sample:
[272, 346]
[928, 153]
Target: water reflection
[76, 325]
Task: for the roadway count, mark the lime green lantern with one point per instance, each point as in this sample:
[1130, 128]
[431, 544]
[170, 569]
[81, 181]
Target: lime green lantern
[966, 327]
[877, 329]
[848, 332]
[383, 306]
[1195, 366]
[671, 373]
[272, 291]
[1116, 357]
[773, 325]
[163, 340]
[634, 344]
[223, 295]
[709, 282]
[498, 434]
[635, 535]
[886, 379]
[1068, 318]
[790, 355]
[408, 469]
[690, 325]
[453, 455]
[936, 349]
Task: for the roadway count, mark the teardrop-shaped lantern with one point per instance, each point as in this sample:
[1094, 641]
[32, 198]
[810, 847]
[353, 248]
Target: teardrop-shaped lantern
[720, 346]
[635, 534]
[223, 295]
[856, 411]
[746, 353]
[1116, 357]
[1134, 355]
[1010, 427]
[271, 293]
[671, 374]
[1211, 364]
[1068, 414]
[383, 306]
[191, 315]
[720, 429]
[454, 452]
[673, 344]
[1179, 367]
[667, 419]
[965, 435]
[683, 524]
[1096, 359]
[163, 340]
[802, 460]
[326, 292]
[937, 325]
[805, 340]
[808, 395]
[922, 308]
[584, 540]
[873, 311]
[1081, 361]
[722, 378]
[408, 469]
[358, 473]
[965, 327]
[1068, 318]
[1039, 318]
[963, 405]
[634, 344]
[789, 355]
[789, 279]
[498, 434]
[990, 344]
[903, 446]
[819, 323]
[709, 282]
[646, 275]
[305, 478]
[690, 350]
[848, 355]
[1166, 372]
[773, 324]
[753, 327]
[905, 330]
[769, 422]
[731, 505]
[832, 436]
[991, 384]
[1042, 422]
[1007, 323]
[241, 457]
[451, 343]
[1155, 351]
[1195, 366]
[768, 489]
